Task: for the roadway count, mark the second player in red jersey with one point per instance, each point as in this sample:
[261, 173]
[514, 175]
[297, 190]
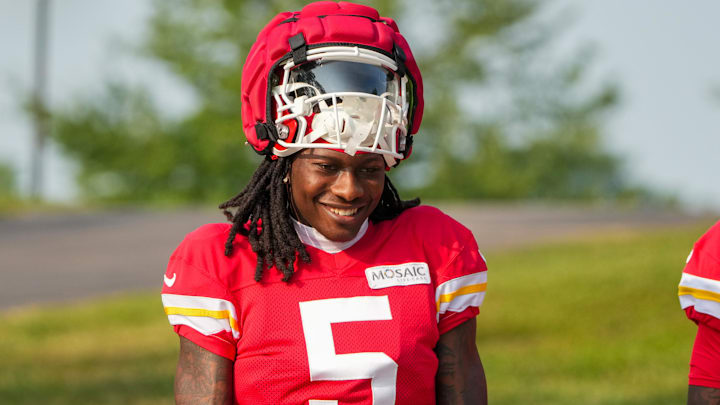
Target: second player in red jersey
[699, 293]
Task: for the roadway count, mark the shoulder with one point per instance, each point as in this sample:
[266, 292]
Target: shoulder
[709, 243]
[425, 212]
[428, 215]
[704, 259]
[432, 224]
[449, 247]
[208, 231]
[205, 246]
[211, 234]
[203, 238]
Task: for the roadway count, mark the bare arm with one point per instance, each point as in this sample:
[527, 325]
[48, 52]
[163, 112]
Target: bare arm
[460, 378]
[698, 395]
[202, 377]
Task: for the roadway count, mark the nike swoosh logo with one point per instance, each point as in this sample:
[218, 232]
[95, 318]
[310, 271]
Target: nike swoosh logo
[170, 281]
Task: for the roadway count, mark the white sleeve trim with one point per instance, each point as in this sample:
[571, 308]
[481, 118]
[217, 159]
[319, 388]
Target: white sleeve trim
[204, 314]
[458, 294]
[700, 292]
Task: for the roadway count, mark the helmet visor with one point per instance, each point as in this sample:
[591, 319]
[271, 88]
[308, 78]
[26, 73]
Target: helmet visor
[341, 76]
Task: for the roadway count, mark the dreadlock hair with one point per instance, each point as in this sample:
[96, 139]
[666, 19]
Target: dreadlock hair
[262, 213]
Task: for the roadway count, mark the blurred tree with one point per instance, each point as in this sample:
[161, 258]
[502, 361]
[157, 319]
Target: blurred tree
[7, 181]
[9, 199]
[507, 118]
[499, 121]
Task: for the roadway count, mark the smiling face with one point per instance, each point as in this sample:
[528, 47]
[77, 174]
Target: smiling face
[334, 192]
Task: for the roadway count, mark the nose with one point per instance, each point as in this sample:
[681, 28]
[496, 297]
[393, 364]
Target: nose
[347, 186]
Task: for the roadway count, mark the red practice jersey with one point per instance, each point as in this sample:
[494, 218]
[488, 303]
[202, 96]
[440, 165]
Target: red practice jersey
[353, 327]
[699, 292]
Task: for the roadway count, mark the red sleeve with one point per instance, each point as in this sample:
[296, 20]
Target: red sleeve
[198, 304]
[461, 288]
[705, 359]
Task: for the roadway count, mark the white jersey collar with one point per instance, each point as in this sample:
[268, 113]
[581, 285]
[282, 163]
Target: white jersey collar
[310, 236]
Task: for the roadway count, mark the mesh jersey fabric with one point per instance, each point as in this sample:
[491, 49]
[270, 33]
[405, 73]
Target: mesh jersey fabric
[328, 335]
[699, 293]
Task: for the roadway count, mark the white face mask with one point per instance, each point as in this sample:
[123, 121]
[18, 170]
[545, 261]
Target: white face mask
[354, 101]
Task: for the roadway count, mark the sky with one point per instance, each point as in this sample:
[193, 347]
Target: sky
[662, 53]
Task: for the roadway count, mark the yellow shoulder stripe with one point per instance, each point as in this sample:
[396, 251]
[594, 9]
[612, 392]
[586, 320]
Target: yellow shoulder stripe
[470, 289]
[203, 312]
[700, 294]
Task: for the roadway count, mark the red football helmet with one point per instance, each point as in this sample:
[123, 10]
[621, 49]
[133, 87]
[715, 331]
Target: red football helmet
[334, 75]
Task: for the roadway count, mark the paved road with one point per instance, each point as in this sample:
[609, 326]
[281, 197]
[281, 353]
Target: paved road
[49, 258]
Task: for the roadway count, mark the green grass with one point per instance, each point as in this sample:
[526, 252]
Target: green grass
[594, 321]
[115, 351]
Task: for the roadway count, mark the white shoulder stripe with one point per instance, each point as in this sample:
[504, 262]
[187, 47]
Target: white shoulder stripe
[460, 293]
[205, 314]
[701, 283]
[456, 284]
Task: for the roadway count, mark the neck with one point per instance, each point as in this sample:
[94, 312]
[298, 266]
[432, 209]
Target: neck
[310, 236]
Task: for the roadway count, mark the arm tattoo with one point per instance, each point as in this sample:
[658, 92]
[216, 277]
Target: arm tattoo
[202, 377]
[460, 378]
[698, 395]
[444, 384]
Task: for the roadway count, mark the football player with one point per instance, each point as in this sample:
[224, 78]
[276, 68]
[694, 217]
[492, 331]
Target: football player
[326, 288]
[699, 293]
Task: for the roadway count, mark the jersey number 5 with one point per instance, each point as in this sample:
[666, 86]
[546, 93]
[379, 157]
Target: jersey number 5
[325, 365]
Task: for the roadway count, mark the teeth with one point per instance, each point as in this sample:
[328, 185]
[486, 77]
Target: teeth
[346, 213]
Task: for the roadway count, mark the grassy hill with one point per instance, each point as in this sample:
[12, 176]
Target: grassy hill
[590, 321]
